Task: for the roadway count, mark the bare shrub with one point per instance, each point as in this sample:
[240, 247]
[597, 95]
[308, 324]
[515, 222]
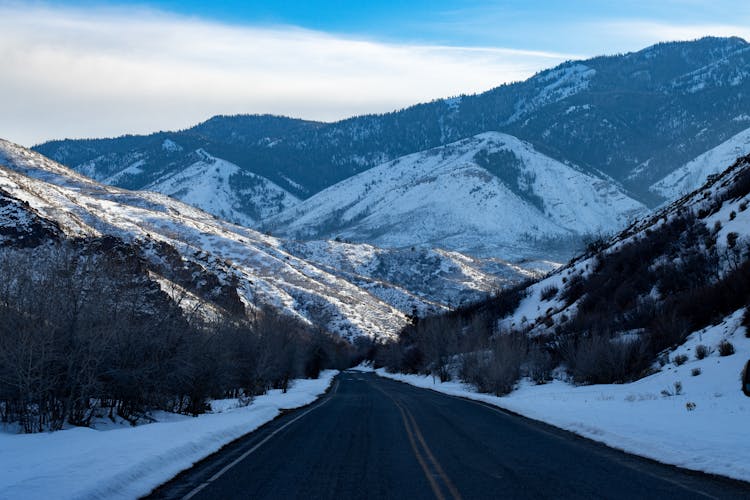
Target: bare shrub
[695, 372]
[726, 348]
[680, 359]
[496, 369]
[702, 351]
[601, 359]
[574, 289]
[548, 292]
[675, 390]
[539, 365]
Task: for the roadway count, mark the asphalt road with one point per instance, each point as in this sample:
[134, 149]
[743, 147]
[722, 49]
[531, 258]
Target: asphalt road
[371, 437]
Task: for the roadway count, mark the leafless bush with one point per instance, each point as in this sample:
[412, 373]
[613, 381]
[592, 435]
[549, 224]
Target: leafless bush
[601, 359]
[702, 351]
[680, 359]
[548, 292]
[726, 348]
[676, 390]
[539, 365]
[495, 369]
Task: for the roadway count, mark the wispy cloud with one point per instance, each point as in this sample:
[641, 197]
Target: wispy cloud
[77, 73]
[638, 33]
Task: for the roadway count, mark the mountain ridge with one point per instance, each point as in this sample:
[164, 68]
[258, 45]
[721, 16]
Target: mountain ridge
[334, 151]
[632, 119]
[484, 192]
[254, 268]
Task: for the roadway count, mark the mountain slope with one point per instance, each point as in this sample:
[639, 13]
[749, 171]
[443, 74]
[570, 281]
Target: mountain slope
[476, 195]
[695, 173]
[254, 265]
[671, 273]
[427, 280]
[635, 117]
[614, 313]
[245, 267]
[222, 189]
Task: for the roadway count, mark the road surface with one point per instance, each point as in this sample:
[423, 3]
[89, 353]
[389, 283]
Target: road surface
[371, 437]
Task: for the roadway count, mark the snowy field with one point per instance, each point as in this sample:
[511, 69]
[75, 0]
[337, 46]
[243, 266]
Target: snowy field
[640, 417]
[128, 462]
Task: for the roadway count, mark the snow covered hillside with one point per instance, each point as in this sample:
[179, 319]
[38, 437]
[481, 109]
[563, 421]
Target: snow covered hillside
[491, 194]
[222, 189]
[416, 279]
[696, 242]
[694, 174]
[183, 169]
[261, 269]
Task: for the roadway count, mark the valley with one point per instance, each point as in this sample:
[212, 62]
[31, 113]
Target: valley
[573, 248]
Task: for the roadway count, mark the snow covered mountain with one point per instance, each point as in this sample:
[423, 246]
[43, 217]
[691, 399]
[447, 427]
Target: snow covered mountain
[439, 278]
[476, 195]
[194, 176]
[228, 264]
[222, 189]
[676, 271]
[695, 173]
[635, 117]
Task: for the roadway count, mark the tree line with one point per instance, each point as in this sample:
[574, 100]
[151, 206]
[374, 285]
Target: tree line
[86, 331]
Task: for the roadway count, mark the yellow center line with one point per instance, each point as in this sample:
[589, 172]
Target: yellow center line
[448, 483]
[412, 430]
[433, 484]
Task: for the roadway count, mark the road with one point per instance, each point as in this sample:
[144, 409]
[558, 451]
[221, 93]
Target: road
[371, 437]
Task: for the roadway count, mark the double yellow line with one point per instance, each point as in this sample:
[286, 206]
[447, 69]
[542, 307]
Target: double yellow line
[430, 466]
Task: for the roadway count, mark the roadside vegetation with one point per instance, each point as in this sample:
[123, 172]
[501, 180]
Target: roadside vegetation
[86, 332]
[620, 311]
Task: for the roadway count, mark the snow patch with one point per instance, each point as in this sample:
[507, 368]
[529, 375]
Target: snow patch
[694, 174]
[171, 146]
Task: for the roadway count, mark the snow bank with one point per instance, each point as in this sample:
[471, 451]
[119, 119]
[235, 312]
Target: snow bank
[129, 462]
[638, 418]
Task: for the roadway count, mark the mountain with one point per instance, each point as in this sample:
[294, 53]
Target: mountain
[220, 188]
[476, 195]
[635, 117]
[135, 162]
[673, 285]
[227, 265]
[695, 173]
[668, 274]
[440, 279]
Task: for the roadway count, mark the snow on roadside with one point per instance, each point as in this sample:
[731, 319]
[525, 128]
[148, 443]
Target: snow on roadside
[128, 463]
[638, 418]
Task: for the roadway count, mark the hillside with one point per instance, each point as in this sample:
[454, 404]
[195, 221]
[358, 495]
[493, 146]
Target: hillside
[478, 195]
[221, 189]
[247, 267]
[695, 173]
[613, 314]
[687, 262]
[641, 343]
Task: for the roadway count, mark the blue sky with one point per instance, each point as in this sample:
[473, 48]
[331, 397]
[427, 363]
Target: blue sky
[101, 68]
[551, 25]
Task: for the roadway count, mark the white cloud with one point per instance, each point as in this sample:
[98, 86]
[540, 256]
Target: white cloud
[75, 73]
[635, 34]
